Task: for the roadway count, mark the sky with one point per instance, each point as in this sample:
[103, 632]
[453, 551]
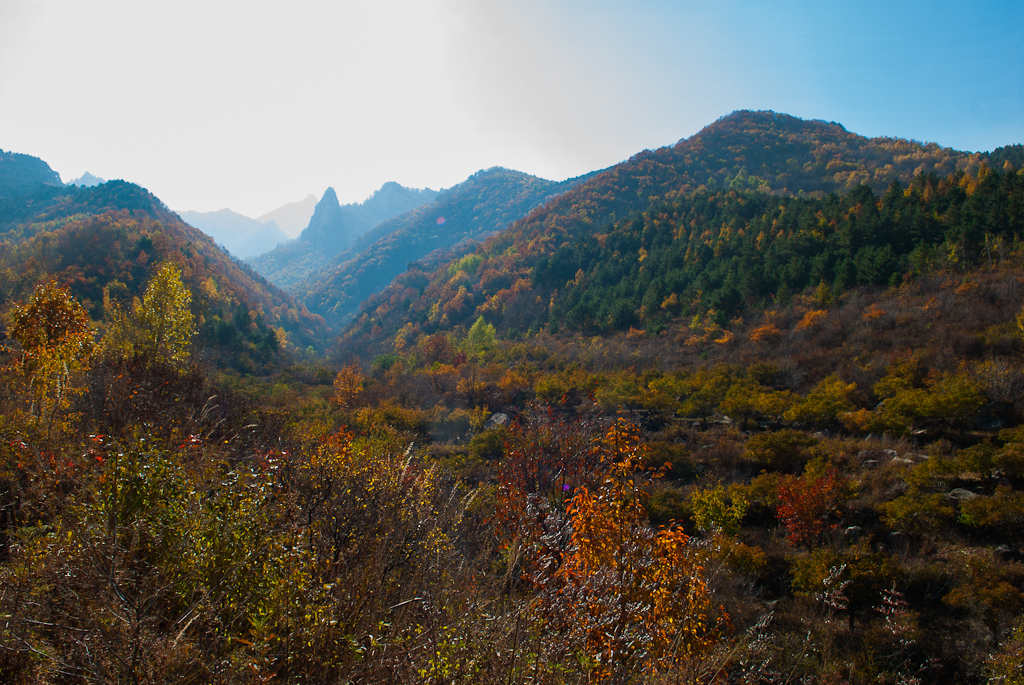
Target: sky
[249, 105]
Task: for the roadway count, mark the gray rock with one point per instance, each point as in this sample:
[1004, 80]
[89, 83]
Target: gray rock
[961, 495]
[497, 419]
[853, 533]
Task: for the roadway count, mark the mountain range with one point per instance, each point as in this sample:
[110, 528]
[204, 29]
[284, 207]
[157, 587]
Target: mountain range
[332, 229]
[747, 408]
[242, 236]
[293, 217]
[347, 256]
[479, 207]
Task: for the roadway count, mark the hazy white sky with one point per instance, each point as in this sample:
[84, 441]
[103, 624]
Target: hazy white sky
[250, 105]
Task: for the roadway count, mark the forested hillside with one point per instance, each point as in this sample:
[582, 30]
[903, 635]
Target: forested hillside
[20, 174]
[541, 253]
[105, 241]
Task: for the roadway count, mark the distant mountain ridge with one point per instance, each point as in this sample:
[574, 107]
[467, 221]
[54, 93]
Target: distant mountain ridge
[333, 228]
[473, 210]
[242, 236]
[87, 180]
[293, 217]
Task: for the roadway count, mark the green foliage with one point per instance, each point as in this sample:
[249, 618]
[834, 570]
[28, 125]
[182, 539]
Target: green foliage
[955, 397]
[487, 445]
[952, 399]
[823, 403]
[743, 400]
[917, 512]
[666, 507]
[703, 391]
[903, 375]
[784, 450]
[468, 264]
[1001, 512]
[481, 337]
[762, 493]
[714, 511]
[811, 572]
[389, 414]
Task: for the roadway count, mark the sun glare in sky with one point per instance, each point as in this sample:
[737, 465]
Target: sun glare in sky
[250, 105]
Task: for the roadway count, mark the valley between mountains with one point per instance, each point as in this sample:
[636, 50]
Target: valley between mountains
[747, 408]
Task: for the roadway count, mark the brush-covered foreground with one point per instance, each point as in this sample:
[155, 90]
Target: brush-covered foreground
[833, 492]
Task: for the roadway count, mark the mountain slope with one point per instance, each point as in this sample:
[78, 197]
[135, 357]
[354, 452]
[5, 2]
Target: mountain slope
[242, 236]
[47, 207]
[473, 210]
[113, 235]
[21, 174]
[747, 151]
[333, 228]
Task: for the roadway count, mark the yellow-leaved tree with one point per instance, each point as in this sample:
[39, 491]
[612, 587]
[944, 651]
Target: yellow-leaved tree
[160, 327]
[166, 320]
[56, 343]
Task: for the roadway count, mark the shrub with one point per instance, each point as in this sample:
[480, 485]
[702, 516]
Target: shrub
[784, 450]
[714, 511]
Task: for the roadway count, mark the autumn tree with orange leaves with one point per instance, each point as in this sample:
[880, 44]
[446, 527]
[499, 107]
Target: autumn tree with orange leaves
[809, 505]
[614, 594]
